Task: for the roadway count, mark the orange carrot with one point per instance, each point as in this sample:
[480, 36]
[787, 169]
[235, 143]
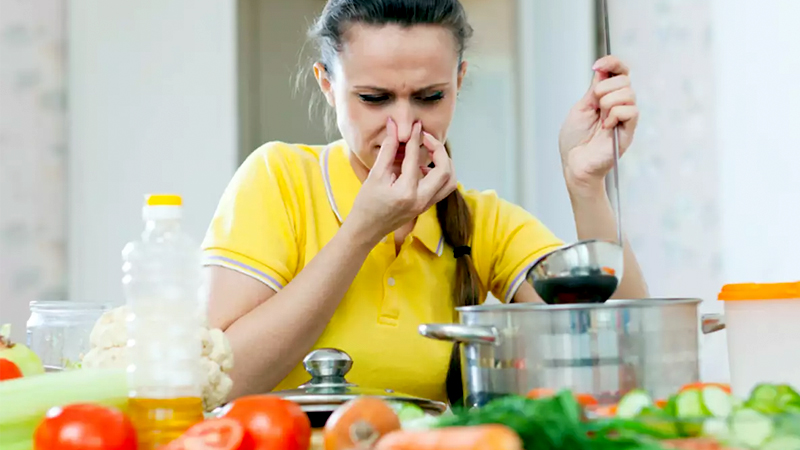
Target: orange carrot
[603, 410]
[540, 393]
[700, 385]
[693, 444]
[585, 399]
[479, 437]
[359, 421]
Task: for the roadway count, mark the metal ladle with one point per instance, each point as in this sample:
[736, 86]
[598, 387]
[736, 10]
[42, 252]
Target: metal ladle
[587, 271]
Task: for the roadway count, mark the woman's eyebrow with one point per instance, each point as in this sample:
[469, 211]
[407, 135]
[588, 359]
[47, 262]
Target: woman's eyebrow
[380, 89]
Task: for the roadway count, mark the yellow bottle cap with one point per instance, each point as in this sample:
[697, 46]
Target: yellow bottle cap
[164, 200]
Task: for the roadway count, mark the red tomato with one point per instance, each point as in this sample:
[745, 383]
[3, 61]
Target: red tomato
[214, 434]
[85, 427]
[9, 370]
[271, 423]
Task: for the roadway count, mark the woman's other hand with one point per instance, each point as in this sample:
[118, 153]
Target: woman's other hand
[585, 140]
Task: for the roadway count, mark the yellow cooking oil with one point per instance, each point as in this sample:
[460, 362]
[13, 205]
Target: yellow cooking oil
[159, 421]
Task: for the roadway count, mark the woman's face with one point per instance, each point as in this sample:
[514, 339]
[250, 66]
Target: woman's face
[406, 74]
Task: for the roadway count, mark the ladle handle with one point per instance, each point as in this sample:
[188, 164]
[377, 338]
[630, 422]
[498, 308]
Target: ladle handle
[612, 186]
[612, 182]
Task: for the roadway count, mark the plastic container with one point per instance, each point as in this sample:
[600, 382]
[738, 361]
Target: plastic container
[162, 281]
[58, 331]
[763, 333]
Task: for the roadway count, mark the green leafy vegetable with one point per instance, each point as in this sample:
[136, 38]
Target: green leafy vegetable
[556, 423]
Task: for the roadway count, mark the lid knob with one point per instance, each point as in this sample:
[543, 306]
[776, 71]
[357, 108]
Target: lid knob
[327, 362]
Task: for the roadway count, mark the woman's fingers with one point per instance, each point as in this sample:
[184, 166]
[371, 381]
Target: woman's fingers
[624, 96]
[385, 160]
[621, 114]
[410, 173]
[440, 181]
[611, 84]
[612, 65]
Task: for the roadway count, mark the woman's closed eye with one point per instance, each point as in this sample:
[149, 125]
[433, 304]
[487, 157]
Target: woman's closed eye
[369, 98]
[382, 98]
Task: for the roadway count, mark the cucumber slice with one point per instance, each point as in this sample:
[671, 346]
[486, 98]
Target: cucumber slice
[716, 402]
[782, 443]
[690, 412]
[786, 425]
[689, 404]
[717, 428]
[426, 422]
[788, 399]
[764, 398]
[407, 411]
[658, 423]
[670, 407]
[751, 428]
[633, 403]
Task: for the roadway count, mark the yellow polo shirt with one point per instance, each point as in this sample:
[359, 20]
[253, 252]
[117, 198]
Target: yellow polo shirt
[287, 201]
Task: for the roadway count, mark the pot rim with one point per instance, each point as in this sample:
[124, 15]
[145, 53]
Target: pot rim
[608, 305]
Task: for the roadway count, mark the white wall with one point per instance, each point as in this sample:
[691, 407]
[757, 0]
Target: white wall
[274, 49]
[556, 53]
[758, 109]
[484, 131]
[152, 108]
[33, 165]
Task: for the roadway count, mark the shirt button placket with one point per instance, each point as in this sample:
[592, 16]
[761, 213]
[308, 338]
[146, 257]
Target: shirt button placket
[389, 313]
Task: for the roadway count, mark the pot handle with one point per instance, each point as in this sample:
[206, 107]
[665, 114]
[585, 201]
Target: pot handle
[711, 323]
[466, 334]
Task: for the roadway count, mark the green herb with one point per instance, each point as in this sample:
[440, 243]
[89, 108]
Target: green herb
[556, 423]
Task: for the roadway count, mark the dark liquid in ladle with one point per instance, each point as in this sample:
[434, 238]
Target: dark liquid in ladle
[578, 289]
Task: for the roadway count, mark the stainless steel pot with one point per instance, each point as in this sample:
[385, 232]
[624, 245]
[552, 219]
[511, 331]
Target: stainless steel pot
[600, 349]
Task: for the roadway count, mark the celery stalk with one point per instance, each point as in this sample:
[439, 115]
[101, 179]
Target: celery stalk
[25, 401]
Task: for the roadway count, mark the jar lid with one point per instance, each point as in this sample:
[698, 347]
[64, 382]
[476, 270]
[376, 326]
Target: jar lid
[328, 389]
[759, 291]
[66, 306]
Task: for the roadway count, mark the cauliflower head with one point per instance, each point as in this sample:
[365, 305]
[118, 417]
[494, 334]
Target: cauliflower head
[109, 340]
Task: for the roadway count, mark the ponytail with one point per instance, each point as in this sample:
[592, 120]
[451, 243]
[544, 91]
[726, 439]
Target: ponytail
[455, 220]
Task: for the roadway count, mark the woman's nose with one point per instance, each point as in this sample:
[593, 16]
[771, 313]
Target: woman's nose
[404, 117]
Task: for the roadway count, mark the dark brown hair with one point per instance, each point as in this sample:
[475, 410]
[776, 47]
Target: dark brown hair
[328, 34]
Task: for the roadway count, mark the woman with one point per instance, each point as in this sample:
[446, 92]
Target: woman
[352, 245]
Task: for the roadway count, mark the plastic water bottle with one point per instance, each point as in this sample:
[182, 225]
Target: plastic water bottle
[162, 281]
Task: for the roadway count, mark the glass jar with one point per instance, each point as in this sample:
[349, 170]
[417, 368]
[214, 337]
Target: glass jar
[58, 331]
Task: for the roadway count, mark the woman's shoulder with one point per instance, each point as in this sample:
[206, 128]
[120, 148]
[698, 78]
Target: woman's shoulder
[492, 213]
[485, 201]
[285, 160]
[280, 152]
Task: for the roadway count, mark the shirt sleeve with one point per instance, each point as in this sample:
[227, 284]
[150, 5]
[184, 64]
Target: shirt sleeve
[509, 240]
[252, 231]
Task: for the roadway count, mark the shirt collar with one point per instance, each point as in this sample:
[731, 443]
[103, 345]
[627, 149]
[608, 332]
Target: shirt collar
[342, 186]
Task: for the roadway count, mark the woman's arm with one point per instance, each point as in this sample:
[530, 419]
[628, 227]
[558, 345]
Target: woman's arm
[270, 332]
[595, 219]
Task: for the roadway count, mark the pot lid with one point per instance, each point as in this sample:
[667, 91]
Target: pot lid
[328, 388]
